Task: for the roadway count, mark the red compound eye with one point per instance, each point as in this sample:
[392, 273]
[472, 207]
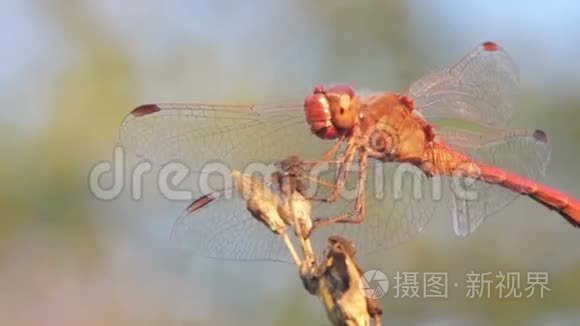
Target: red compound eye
[316, 108]
[330, 112]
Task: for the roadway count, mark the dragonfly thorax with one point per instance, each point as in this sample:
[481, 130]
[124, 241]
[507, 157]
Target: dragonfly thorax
[391, 130]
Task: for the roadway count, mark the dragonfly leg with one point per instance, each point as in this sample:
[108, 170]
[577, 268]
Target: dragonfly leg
[330, 153]
[338, 184]
[358, 214]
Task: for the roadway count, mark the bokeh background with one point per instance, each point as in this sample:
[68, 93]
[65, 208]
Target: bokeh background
[70, 71]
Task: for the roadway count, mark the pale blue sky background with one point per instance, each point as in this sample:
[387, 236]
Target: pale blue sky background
[544, 37]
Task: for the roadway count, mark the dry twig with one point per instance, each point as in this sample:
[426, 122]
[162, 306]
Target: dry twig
[336, 279]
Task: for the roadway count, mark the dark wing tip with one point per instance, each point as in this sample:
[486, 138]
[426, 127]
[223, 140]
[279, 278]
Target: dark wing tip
[145, 110]
[201, 202]
[540, 136]
[490, 46]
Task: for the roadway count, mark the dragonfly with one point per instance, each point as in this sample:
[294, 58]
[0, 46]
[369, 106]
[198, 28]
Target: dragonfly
[448, 123]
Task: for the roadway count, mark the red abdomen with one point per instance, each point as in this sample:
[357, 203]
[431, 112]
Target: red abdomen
[564, 204]
[446, 162]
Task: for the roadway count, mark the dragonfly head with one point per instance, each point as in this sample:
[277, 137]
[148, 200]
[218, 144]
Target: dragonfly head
[332, 112]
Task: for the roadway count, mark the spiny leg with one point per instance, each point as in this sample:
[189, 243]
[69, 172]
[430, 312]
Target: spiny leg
[340, 180]
[330, 153]
[358, 214]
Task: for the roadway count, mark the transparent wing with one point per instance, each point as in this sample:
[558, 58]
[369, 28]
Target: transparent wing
[226, 230]
[479, 88]
[196, 134]
[523, 152]
[470, 106]
[400, 201]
